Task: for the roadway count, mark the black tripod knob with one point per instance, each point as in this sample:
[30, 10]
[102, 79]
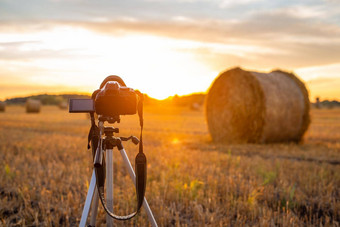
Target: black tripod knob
[134, 139]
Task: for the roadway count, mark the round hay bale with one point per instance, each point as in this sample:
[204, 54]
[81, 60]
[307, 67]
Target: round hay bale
[2, 106]
[33, 106]
[63, 105]
[251, 107]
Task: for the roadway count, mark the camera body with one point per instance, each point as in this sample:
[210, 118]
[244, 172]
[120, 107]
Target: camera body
[113, 98]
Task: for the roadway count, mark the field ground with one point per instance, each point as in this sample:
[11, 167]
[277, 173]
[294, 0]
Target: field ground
[45, 170]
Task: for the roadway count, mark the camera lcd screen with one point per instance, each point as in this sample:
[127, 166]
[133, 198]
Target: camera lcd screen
[81, 106]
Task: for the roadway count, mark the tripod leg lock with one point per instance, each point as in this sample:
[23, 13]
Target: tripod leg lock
[98, 158]
[119, 144]
[99, 165]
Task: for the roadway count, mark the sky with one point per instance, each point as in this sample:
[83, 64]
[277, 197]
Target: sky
[165, 47]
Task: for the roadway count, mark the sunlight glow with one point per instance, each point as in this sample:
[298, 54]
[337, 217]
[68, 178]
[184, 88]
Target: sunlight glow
[175, 141]
[80, 58]
[75, 59]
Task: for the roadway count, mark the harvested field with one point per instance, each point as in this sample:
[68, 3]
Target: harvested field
[45, 170]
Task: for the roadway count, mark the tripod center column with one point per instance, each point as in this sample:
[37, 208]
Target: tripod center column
[109, 185]
[110, 144]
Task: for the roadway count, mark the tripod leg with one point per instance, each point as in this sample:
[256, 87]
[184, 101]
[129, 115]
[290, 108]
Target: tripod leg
[133, 178]
[94, 209]
[109, 185]
[88, 200]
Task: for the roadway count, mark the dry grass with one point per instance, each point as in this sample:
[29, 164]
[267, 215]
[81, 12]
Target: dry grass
[45, 170]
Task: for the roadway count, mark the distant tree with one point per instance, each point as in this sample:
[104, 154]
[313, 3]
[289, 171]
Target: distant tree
[317, 103]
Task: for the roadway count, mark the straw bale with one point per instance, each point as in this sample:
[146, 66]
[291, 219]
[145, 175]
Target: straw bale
[2, 106]
[252, 107]
[33, 106]
[63, 105]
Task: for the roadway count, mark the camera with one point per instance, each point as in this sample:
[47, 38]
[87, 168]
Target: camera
[113, 98]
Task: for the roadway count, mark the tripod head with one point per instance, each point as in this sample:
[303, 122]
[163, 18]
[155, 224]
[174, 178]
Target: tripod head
[108, 131]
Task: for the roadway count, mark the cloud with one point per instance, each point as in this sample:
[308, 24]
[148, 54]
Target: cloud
[230, 3]
[256, 28]
[289, 37]
[322, 81]
[294, 40]
[18, 90]
[287, 22]
[279, 37]
[29, 50]
[16, 44]
[302, 11]
[331, 70]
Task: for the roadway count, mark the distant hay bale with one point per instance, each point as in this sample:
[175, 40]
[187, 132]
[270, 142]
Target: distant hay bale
[195, 106]
[2, 106]
[33, 106]
[63, 105]
[251, 107]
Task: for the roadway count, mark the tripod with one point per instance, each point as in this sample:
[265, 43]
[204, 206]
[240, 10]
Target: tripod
[92, 197]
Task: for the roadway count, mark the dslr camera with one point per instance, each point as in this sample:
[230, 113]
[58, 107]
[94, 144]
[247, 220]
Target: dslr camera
[112, 99]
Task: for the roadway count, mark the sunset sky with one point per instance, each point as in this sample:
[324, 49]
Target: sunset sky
[164, 47]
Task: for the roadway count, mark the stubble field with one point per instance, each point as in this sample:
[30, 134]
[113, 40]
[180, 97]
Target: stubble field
[45, 170]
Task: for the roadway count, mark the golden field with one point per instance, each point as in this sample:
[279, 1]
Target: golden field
[45, 170]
